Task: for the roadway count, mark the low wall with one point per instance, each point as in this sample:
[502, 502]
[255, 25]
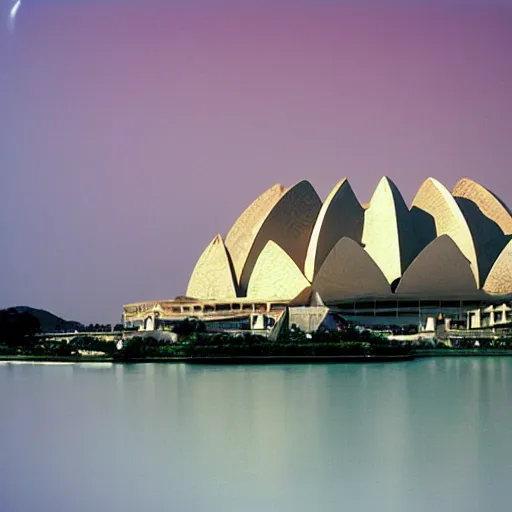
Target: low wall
[159, 335]
[68, 336]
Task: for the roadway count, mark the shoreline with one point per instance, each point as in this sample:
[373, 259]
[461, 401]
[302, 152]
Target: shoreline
[211, 360]
[240, 360]
[464, 352]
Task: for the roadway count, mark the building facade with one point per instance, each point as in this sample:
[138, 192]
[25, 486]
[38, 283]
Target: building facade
[382, 262]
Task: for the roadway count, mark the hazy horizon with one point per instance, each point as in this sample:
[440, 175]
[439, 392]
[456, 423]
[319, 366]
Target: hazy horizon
[131, 135]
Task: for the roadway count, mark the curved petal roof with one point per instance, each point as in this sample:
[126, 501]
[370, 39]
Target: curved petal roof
[212, 277]
[341, 215]
[487, 202]
[499, 280]
[289, 223]
[348, 271]
[275, 275]
[444, 246]
[303, 298]
[241, 236]
[388, 234]
[436, 213]
[440, 269]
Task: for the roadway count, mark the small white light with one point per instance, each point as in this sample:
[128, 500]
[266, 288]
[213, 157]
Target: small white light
[14, 9]
[12, 14]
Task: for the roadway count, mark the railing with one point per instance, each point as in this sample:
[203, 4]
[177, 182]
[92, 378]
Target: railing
[472, 333]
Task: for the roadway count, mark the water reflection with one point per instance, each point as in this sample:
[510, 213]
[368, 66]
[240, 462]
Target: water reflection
[423, 435]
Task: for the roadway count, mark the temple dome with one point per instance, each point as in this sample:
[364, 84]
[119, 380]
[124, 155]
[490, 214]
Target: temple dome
[289, 245]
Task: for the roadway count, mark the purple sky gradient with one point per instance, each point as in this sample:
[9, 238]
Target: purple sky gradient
[130, 136]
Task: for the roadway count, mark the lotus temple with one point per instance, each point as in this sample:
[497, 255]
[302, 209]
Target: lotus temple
[378, 263]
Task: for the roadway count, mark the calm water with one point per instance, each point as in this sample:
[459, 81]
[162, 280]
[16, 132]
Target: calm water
[431, 435]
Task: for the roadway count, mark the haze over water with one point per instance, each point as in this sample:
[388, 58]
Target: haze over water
[423, 435]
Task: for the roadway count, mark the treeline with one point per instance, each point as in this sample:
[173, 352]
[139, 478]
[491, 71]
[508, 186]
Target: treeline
[95, 328]
[18, 337]
[16, 328]
[293, 343]
[33, 346]
[184, 327]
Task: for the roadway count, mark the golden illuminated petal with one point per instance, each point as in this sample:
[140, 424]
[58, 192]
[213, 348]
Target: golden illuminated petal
[241, 236]
[490, 205]
[275, 275]
[289, 223]
[487, 221]
[341, 215]
[499, 280]
[212, 277]
[388, 235]
[436, 213]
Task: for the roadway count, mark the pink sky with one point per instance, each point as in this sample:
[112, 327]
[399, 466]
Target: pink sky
[130, 136]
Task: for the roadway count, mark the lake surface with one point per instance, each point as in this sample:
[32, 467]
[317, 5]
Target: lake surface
[426, 435]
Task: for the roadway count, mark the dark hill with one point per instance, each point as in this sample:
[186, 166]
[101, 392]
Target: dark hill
[48, 321]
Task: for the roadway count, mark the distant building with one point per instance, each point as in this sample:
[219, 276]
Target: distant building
[490, 316]
[379, 264]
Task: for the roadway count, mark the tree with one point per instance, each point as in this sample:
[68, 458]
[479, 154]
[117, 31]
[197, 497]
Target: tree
[188, 327]
[17, 327]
